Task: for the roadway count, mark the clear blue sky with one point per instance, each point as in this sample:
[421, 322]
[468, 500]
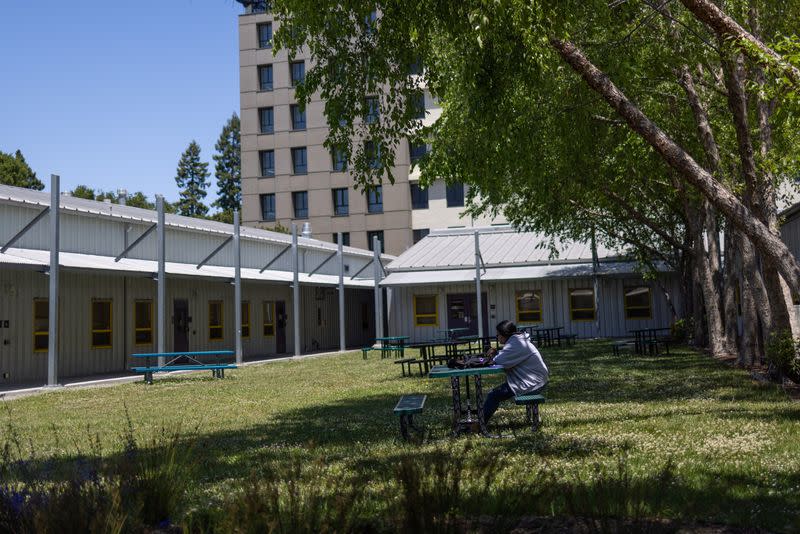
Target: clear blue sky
[109, 94]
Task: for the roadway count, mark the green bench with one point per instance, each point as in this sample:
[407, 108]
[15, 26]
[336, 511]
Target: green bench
[617, 346]
[531, 403]
[409, 362]
[407, 407]
[569, 339]
[174, 361]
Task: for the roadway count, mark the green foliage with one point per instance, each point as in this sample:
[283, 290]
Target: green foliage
[228, 169]
[14, 170]
[783, 354]
[136, 200]
[192, 180]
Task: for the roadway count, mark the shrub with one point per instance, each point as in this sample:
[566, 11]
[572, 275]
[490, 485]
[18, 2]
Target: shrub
[783, 355]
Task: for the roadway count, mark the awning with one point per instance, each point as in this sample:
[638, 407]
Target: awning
[73, 261]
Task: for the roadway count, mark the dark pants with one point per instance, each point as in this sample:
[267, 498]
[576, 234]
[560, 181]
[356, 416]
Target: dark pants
[498, 395]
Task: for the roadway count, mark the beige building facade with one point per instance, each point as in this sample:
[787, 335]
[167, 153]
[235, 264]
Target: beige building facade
[288, 176]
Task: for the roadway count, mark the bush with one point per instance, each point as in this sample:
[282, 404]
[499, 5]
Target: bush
[783, 355]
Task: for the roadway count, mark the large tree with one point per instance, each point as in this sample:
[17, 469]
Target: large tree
[228, 171]
[14, 170]
[625, 118]
[192, 179]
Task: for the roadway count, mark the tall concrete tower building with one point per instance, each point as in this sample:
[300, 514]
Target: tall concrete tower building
[288, 176]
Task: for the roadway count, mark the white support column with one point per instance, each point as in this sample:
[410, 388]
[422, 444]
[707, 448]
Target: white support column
[340, 254]
[478, 282]
[161, 232]
[52, 317]
[377, 277]
[296, 290]
[237, 287]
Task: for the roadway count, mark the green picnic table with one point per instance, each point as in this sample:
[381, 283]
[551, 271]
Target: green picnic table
[465, 418]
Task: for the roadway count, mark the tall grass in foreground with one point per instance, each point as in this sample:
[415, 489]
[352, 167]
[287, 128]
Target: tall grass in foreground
[143, 489]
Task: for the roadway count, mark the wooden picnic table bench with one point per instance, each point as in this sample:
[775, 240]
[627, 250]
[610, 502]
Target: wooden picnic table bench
[174, 361]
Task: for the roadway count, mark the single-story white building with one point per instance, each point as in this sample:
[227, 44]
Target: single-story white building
[433, 286]
[108, 288]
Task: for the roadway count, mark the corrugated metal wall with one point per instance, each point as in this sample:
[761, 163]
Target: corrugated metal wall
[19, 363]
[555, 306]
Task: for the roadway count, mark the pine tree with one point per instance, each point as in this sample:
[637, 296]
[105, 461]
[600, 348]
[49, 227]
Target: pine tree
[14, 170]
[228, 170]
[192, 179]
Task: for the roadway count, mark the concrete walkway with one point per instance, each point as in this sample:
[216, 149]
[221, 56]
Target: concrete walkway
[122, 378]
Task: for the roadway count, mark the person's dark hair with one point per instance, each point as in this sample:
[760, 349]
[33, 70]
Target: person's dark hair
[506, 328]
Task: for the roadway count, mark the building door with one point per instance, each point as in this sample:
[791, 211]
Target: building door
[462, 312]
[5, 339]
[180, 322]
[280, 326]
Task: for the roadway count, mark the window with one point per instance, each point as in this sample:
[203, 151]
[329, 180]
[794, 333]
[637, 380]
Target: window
[143, 322]
[265, 77]
[260, 6]
[298, 72]
[372, 110]
[372, 235]
[269, 318]
[298, 117]
[416, 151]
[455, 195]
[267, 207]
[426, 310]
[266, 120]
[101, 324]
[267, 162]
[299, 161]
[41, 325]
[245, 319]
[339, 159]
[373, 154]
[341, 202]
[300, 202]
[529, 306]
[420, 234]
[375, 200]
[419, 197]
[637, 303]
[581, 304]
[265, 35]
[418, 105]
[215, 326]
[345, 239]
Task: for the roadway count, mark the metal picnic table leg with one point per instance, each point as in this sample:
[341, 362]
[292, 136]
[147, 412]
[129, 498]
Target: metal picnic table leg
[455, 385]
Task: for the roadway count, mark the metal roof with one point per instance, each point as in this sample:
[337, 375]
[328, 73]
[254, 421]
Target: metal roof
[500, 246]
[524, 272]
[19, 195]
[18, 257]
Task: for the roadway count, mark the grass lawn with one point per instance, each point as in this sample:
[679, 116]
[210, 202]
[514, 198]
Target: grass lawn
[679, 437]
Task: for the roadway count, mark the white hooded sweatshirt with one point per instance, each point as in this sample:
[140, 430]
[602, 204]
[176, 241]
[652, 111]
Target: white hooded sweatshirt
[524, 367]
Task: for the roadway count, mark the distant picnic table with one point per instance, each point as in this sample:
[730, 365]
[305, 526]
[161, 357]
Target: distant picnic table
[183, 361]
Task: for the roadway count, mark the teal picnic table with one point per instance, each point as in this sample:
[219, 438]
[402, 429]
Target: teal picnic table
[393, 345]
[465, 418]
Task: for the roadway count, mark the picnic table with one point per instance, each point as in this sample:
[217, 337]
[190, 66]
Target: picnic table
[392, 345]
[647, 339]
[544, 335]
[183, 361]
[452, 333]
[466, 418]
[437, 351]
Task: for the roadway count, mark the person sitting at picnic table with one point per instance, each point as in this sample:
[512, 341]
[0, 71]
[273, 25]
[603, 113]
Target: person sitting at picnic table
[526, 372]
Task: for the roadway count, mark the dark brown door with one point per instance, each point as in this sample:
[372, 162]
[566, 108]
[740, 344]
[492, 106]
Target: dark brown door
[462, 312]
[280, 327]
[180, 322]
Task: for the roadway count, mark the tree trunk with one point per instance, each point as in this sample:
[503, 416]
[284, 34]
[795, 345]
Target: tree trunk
[748, 350]
[725, 28]
[725, 201]
[732, 282]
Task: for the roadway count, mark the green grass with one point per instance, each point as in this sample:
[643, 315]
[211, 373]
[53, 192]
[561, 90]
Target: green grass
[679, 437]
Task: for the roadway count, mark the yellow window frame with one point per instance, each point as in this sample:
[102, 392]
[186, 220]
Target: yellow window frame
[572, 310]
[41, 333]
[213, 328]
[435, 314]
[649, 306]
[136, 330]
[245, 319]
[268, 305]
[109, 330]
[519, 311]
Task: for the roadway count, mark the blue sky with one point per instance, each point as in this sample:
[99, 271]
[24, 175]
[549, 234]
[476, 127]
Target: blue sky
[109, 94]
